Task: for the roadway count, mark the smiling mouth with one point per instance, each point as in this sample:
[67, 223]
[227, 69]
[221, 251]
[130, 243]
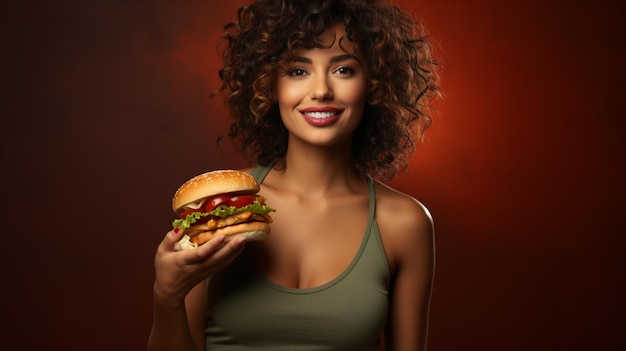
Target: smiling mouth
[321, 115]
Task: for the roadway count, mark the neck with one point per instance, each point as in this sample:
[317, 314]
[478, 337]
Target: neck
[316, 171]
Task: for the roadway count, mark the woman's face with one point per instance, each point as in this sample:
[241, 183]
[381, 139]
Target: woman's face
[322, 93]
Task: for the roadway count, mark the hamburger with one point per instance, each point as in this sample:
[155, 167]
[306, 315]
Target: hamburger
[221, 202]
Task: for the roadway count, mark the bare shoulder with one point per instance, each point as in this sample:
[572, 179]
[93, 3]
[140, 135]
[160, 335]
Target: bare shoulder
[406, 225]
[402, 212]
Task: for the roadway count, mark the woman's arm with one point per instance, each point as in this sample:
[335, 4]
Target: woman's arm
[408, 236]
[195, 304]
[178, 304]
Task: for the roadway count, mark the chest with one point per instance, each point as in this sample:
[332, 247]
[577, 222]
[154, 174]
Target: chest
[312, 242]
[346, 312]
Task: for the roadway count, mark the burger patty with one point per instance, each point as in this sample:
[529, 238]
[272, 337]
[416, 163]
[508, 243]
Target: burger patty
[216, 223]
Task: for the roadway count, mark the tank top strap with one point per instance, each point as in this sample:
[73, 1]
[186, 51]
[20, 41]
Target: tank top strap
[260, 172]
[372, 195]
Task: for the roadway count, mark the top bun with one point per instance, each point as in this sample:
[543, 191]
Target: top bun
[213, 183]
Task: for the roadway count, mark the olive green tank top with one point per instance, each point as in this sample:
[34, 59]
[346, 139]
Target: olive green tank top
[246, 311]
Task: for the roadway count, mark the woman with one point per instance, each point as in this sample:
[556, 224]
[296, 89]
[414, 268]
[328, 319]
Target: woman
[323, 95]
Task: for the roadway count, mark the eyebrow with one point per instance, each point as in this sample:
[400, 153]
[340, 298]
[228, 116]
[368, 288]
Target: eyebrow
[332, 59]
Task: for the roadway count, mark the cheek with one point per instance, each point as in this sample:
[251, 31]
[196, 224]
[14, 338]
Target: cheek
[288, 94]
[356, 95]
[287, 99]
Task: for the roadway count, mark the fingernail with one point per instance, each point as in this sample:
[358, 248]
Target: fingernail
[176, 230]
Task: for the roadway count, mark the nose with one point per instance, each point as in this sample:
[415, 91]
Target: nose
[321, 89]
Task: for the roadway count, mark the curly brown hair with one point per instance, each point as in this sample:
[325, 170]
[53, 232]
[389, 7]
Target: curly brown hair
[403, 77]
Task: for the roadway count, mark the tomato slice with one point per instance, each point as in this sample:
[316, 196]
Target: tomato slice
[241, 200]
[184, 213]
[215, 201]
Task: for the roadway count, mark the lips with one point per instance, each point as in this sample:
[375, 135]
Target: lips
[321, 117]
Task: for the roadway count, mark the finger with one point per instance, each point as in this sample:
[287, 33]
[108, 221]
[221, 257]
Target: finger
[203, 251]
[229, 251]
[171, 238]
[217, 250]
[225, 260]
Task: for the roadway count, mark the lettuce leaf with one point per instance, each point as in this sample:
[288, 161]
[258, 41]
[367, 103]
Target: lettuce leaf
[222, 211]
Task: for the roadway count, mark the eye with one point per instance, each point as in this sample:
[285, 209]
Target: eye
[297, 72]
[345, 71]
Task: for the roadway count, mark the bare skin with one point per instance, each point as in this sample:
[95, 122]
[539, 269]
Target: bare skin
[309, 258]
[322, 210]
[177, 276]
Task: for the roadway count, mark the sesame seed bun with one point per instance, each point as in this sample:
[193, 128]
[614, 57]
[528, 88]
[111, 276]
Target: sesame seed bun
[214, 183]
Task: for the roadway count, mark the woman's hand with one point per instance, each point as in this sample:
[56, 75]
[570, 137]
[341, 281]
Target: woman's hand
[177, 272]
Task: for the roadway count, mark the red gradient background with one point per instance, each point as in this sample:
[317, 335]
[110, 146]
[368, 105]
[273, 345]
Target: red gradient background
[105, 111]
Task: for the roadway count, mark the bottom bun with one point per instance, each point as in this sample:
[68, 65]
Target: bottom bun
[252, 231]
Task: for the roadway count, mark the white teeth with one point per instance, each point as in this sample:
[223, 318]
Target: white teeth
[320, 114]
